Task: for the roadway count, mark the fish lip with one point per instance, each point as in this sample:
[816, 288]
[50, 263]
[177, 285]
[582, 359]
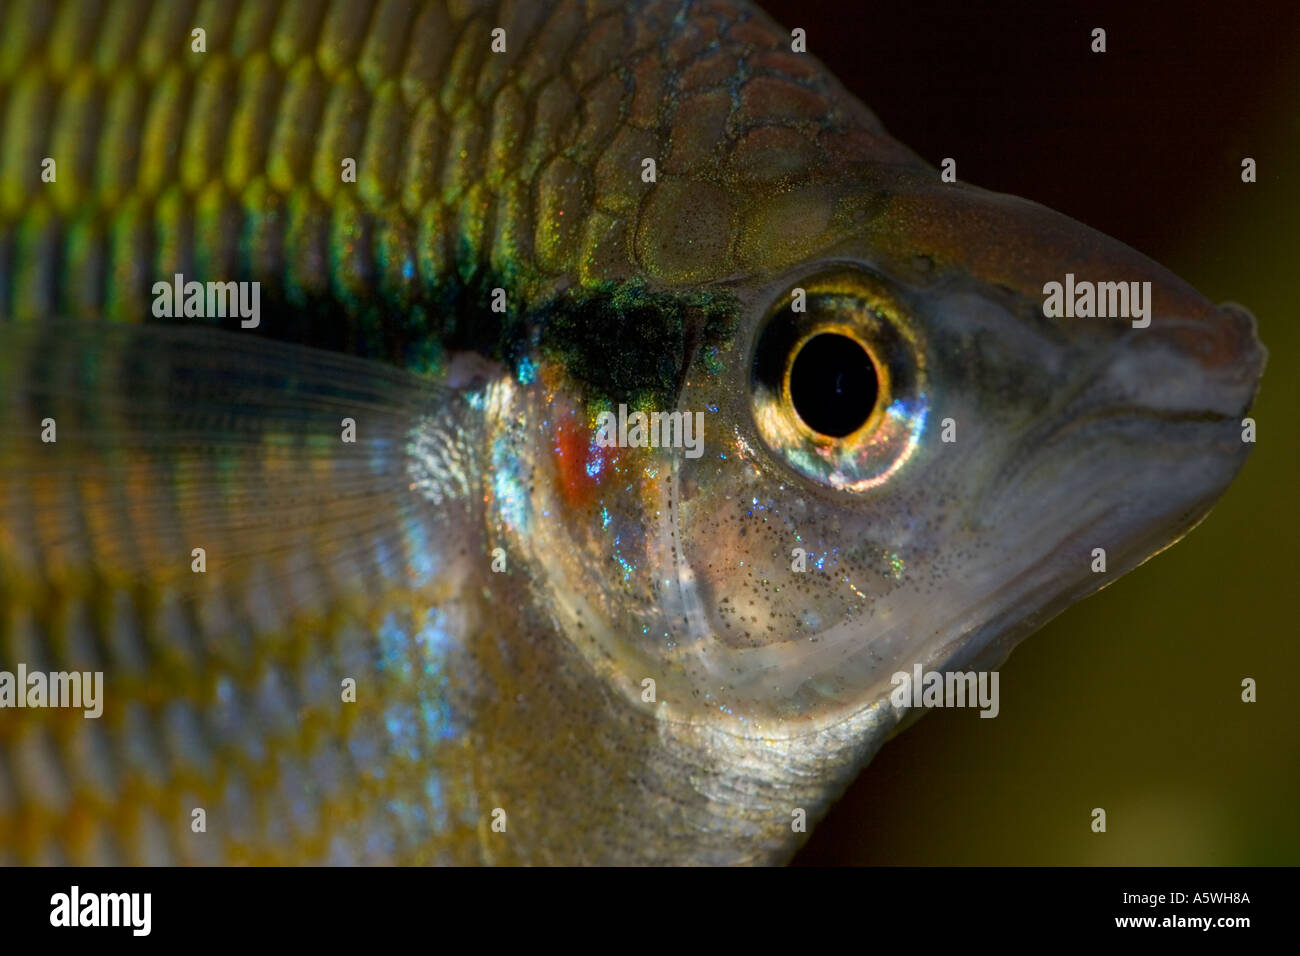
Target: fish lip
[1225, 343]
[1190, 430]
[1216, 359]
[1119, 414]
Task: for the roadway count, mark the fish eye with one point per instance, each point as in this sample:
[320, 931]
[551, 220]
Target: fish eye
[838, 381]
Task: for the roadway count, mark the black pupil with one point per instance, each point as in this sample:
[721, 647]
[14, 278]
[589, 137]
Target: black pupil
[833, 384]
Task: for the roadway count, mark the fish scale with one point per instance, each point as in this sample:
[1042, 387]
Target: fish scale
[246, 662]
[431, 644]
[525, 166]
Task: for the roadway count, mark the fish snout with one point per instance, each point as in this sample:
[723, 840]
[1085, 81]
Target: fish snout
[1209, 364]
[1225, 342]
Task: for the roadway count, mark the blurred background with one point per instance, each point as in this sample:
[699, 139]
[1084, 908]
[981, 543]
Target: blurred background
[1131, 700]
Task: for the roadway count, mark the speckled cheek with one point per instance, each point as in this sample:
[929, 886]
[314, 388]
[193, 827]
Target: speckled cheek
[786, 228]
[685, 232]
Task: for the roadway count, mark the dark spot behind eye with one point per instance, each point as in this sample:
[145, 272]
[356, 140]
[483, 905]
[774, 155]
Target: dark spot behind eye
[626, 343]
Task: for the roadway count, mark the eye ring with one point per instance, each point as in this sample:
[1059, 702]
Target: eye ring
[856, 305]
[881, 375]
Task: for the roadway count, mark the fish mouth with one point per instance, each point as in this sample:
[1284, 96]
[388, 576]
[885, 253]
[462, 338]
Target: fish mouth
[1210, 362]
[1160, 469]
[1136, 480]
[1136, 457]
[1194, 427]
[1181, 387]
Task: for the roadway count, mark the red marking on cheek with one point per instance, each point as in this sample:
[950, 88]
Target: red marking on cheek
[575, 451]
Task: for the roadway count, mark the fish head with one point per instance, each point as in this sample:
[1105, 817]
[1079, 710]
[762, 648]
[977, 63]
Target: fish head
[999, 463]
[900, 459]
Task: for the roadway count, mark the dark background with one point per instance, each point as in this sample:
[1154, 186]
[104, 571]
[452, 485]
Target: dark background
[1131, 700]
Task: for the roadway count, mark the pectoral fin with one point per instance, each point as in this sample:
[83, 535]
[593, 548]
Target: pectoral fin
[166, 453]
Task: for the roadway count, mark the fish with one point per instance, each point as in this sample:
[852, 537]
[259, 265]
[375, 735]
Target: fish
[530, 433]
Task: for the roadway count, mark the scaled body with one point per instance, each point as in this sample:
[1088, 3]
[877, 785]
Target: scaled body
[429, 643]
